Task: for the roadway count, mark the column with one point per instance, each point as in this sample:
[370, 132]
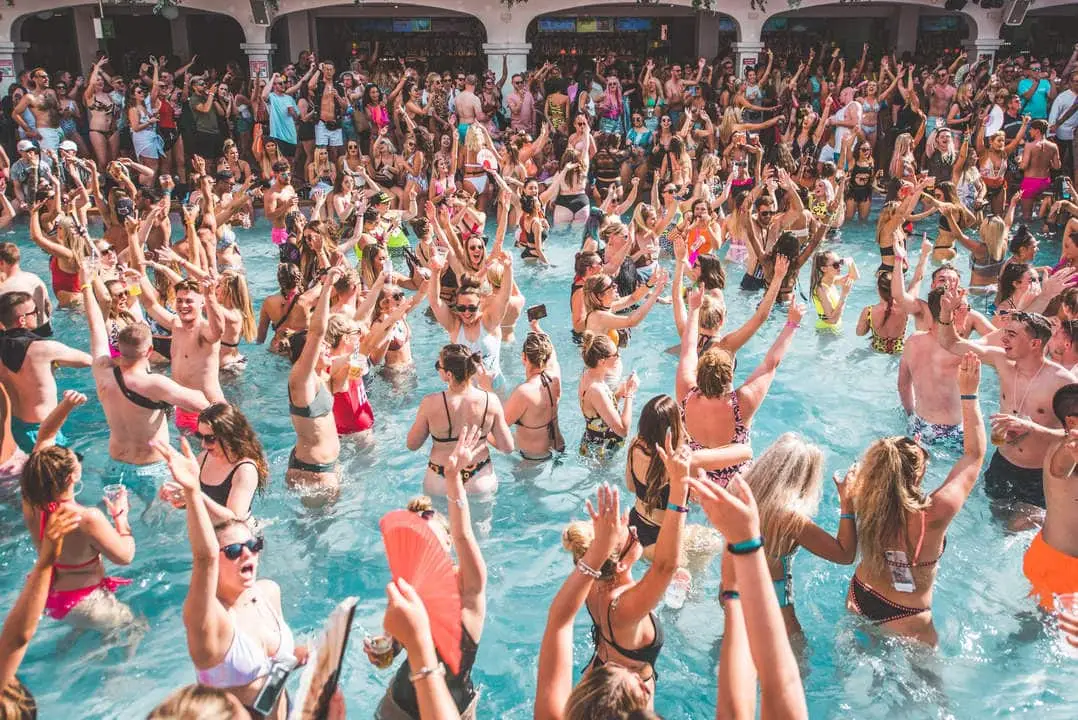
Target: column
[983, 48]
[707, 35]
[84, 37]
[906, 26]
[181, 45]
[299, 34]
[11, 62]
[747, 55]
[259, 58]
[516, 58]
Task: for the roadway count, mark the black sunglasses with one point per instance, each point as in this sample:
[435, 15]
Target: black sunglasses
[233, 551]
[206, 439]
[466, 308]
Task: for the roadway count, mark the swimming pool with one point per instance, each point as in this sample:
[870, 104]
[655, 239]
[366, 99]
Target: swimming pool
[994, 658]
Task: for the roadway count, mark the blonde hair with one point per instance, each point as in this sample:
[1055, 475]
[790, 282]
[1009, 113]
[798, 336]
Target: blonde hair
[730, 118]
[596, 347]
[577, 538]
[423, 504]
[994, 235]
[886, 488]
[715, 373]
[785, 481]
[606, 691]
[236, 297]
[16, 701]
[712, 313]
[195, 702]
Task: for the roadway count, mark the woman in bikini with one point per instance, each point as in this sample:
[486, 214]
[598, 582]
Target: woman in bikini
[600, 295]
[901, 529]
[232, 466]
[861, 169]
[462, 404]
[102, 111]
[533, 405]
[715, 414]
[884, 320]
[80, 593]
[556, 108]
[954, 219]
[601, 387]
[993, 164]
[389, 340]
[239, 318]
[387, 171]
[480, 157]
[988, 254]
[286, 312]
[568, 190]
[234, 621]
[621, 606]
[70, 248]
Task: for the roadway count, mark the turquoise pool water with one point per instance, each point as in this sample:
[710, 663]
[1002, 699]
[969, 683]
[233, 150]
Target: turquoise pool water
[994, 657]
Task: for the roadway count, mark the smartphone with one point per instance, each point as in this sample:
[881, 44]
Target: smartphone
[271, 691]
[536, 312]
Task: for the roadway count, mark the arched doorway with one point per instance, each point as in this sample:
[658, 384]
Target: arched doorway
[50, 35]
[215, 38]
[1049, 32]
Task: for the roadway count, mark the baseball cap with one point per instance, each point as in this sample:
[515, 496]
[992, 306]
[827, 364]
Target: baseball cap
[25, 145]
[380, 199]
[69, 145]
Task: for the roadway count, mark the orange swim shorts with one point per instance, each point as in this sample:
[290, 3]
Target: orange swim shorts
[1050, 571]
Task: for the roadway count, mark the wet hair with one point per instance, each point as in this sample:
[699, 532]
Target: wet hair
[538, 349]
[16, 702]
[712, 273]
[786, 482]
[1070, 329]
[1065, 403]
[459, 361]
[661, 415]
[9, 301]
[236, 438]
[596, 347]
[606, 692]
[195, 702]
[1037, 326]
[886, 488]
[1022, 238]
[715, 373]
[47, 474]
[883, 287]
[1008, 279]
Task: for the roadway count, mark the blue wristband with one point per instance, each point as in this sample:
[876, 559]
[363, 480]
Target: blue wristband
[745, 547]
[847, 516]
[677, 508]
[729, 595]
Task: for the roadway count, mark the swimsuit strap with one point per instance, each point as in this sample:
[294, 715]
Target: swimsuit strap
[920, 538]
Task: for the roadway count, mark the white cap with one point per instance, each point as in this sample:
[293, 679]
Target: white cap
[25, 145]
[69, 145]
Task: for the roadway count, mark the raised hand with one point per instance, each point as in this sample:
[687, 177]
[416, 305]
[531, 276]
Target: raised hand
[731, 510]
[607, 520]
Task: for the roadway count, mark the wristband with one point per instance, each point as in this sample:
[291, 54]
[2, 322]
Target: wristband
[425, 672]
[847, 516]
[116, 515]
[968, 397]
[747, 546]
[726, 595]
[585, 569]
[677, 508]
[792, 324]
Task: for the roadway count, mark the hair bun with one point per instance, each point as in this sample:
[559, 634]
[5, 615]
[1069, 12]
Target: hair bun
[420, 503]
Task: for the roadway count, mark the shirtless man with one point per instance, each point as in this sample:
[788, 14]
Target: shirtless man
[196, 340]
[1027, 382]
[1063, 345]
[14, 279]
[1051, 563]
[928, 383]
[674, 88]
[1040, 157]
[278, 199]
[45, 107]
[26, 368]
[945, 276]
[135, 400]
[521, 106]
[941, 94]
[331, 106]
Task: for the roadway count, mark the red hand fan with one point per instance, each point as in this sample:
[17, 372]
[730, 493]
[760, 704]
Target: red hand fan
[415, 554]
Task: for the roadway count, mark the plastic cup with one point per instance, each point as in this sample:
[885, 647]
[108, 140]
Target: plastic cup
[113, 492]
[134, 289]
[441, 253]
[381, 649]
[678, 590]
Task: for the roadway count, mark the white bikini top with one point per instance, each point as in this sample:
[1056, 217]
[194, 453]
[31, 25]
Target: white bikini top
[245, 660]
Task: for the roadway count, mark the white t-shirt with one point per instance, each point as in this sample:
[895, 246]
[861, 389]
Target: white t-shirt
[1062, 103]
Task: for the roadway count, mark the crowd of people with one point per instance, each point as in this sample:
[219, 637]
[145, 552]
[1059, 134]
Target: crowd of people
[378, 183]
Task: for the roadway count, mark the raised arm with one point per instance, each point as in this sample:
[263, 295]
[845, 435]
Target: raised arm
[948, 499]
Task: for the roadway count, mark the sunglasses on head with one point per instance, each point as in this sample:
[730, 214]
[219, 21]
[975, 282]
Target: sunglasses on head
[234, 550]
[466, 308]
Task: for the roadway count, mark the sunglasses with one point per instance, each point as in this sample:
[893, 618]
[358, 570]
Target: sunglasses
[466, 308]
[837, 264]
[206, 439]
[766, 213]
[233, 551]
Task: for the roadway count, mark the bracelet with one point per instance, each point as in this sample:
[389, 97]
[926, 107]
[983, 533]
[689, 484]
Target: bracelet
[726, 595]
[125, 534]
[459, 502]
[584, 569]
[747, 546]
[943, 323]
[792, 324]
[677, 508]
[968, 397]
[116, 515]
[425, 672]
[847, 516]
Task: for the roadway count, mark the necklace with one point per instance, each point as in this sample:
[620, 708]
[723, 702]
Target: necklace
[1029, 386]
